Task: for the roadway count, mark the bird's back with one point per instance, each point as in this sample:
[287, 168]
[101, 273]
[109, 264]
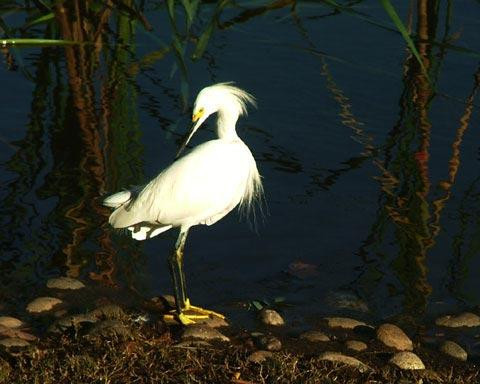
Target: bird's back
[199, 188]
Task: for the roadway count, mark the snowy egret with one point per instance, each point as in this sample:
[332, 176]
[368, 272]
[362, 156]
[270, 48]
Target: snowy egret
[200, 187]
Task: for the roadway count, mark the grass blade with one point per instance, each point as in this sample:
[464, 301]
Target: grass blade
[406, 36]
[42, 19]
[36, 42]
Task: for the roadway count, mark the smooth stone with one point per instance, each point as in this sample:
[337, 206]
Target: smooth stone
[343, 322]
[466, 319]
[170, 300]
[453, 349]
[337, 357]
[10, 322]
[393, 336]
[270, 343]
[407, 360]
[108, 328]
[202, 332]
[193, 344]
[12, 342]
[260, 356]
[356, 345]
[74, 321]
[271, 317]
[16, 333]
[43, 304]
[108, 311]
[65, 283]
[213, 322]
[314, 336]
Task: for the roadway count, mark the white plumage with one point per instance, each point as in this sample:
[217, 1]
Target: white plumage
[202, 186]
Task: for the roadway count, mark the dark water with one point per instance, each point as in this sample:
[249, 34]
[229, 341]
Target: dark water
[371, 170]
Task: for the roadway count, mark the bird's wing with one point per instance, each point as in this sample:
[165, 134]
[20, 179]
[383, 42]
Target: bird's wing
[205, 184]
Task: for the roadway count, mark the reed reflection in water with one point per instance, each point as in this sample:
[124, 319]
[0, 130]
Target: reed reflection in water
[96, 107]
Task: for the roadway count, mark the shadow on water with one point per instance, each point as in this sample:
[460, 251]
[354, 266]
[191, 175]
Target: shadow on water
[95, 107]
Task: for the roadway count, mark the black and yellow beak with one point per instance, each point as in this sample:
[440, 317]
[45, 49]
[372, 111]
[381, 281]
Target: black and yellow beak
[196, 122]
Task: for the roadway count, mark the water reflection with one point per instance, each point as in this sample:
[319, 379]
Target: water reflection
[84, 138]
[410, 209]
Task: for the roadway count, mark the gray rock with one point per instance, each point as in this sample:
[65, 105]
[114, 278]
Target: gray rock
[70, 321]
[16, 333]
[453, 349]
[10, 322]
[108, 311]
[43, 304]
[271, 317]
[343, 322]
[107, 328]
[213, 322]
[65, 283]
[270, 343]
[12, 342]
[337, 357]
[260, 356]
[407, 360]
[466, 319]
[202, 332]
[193, 344]
[393, 336]
[169, 299]
[314, 336]
[356, 345]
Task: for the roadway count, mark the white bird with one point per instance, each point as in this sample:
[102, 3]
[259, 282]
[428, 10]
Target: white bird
[200, 187]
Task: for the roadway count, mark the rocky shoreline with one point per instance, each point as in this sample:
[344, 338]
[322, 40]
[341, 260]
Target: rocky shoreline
[353, 346]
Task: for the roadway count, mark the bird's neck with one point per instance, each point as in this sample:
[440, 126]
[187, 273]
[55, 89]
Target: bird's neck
[226, 121]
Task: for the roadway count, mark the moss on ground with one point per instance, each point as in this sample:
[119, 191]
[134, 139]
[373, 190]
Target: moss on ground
[150, 355]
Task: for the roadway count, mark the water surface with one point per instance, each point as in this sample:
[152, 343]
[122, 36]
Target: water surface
[371, 169]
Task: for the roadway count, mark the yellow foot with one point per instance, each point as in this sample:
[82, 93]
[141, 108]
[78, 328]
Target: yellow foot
[202, 311]
[191, 315]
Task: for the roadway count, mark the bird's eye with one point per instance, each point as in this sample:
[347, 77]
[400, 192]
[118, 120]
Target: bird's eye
[197, 115]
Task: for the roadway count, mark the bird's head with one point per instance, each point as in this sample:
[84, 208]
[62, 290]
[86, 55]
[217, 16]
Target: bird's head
[215, 98]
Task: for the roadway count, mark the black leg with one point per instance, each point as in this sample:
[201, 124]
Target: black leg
[176, 270]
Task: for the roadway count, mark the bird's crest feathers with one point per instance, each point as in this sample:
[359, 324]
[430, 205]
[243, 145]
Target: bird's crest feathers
[241, 97]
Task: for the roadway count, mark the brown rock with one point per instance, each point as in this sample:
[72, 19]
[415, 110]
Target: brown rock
[203, 332]
[453, 349]
[16, 333]
[271, 317]
[343, 322]
[193, 344]
[43, 304]
[356, 345]
[10, 322]
[393, 336]
[407, 360]
[12, 342]
[314, 336]
[213, 322]
[270, 343]
[65, 283]
[466, 319]
[337, 357]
